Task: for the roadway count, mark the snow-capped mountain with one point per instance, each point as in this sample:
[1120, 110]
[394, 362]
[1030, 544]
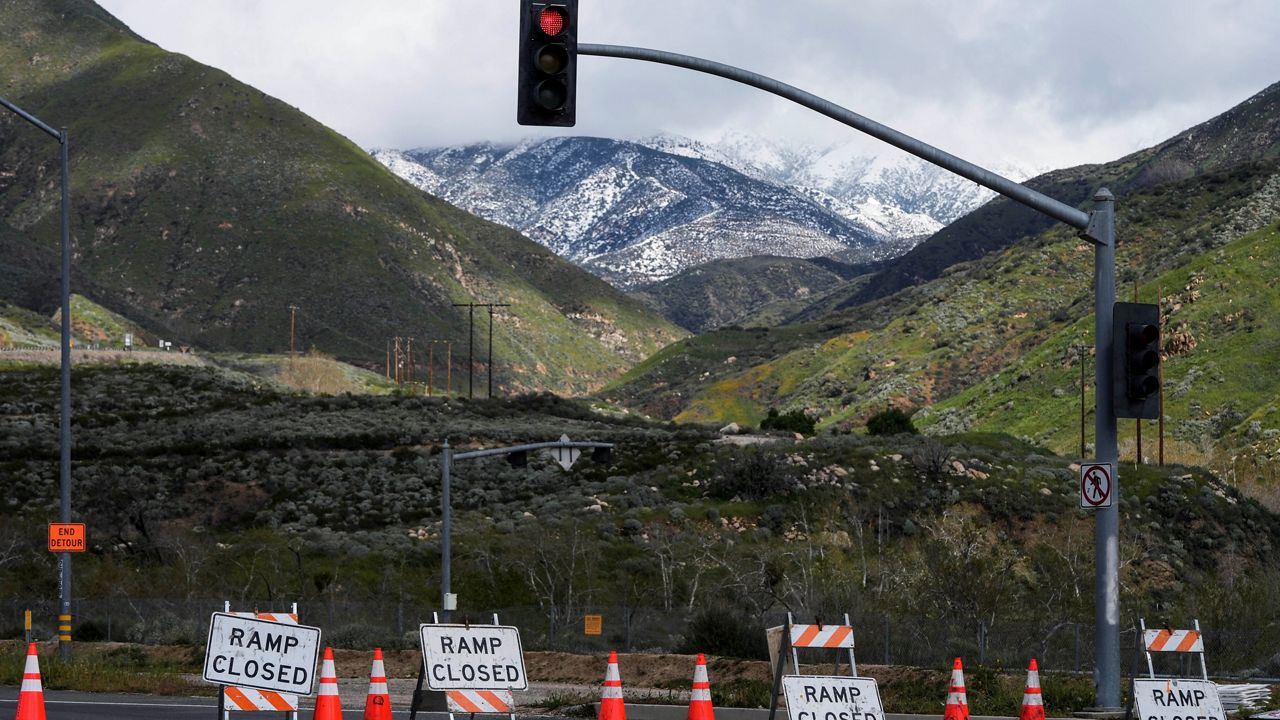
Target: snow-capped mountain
[629, 212]
[635, 212]
[894, 193]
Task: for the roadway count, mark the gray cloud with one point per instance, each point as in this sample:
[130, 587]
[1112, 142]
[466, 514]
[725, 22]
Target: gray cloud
[1046, 83]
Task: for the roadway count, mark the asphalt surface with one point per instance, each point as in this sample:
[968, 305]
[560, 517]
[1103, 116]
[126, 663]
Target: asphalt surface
[63, 705]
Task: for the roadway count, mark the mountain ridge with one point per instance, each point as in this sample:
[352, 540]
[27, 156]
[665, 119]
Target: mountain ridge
[203, 208]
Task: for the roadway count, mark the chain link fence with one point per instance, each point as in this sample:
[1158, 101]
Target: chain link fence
[1061, 645]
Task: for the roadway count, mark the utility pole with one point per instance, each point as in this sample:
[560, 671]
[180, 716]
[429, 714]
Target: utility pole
[409, 364]
[293, 323]
[388, 365]
[471, 347]
[471, 333]
[431, 364]
[64, 421]
[1081, 350]
[397, 339]
[491, 307]
[1137, 422]
[1160, 368]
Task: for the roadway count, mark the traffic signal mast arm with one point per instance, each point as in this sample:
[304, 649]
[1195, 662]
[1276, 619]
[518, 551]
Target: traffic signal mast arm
[1074, 217]
[532, 446]
[1097, 226]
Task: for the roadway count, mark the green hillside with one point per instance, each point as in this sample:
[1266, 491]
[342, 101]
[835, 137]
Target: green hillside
[738, 291]
[973, 327]
[1248, 132]
[1221, 349]
[203, 208]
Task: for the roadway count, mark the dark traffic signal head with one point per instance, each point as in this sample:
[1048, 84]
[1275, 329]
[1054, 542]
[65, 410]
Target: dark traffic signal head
[548, 63]
[1136, 360]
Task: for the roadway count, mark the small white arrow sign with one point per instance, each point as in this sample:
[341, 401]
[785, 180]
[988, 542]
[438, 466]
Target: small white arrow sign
[566, 456]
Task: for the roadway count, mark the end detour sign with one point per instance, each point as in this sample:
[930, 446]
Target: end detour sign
[1173, 699]
[261, 654]
[474, 657]
[818, 697]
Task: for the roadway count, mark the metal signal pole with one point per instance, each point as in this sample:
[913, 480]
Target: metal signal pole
[64, 421]
[1097, 226]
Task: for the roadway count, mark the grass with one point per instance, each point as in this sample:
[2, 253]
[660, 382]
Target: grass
[111, 668]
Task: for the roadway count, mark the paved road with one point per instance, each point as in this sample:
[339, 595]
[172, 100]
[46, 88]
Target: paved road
[61, 705]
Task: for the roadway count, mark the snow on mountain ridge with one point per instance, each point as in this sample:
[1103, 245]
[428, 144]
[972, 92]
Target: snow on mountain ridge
[629, 211]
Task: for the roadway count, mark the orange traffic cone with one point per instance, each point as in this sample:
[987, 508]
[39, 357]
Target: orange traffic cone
[957, 702]
[31, 696]
[377, 706]
[700, 707]
[1032, 701]
[611, 706]
[328, 704]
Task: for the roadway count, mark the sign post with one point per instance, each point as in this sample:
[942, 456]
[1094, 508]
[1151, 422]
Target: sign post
[593, 625]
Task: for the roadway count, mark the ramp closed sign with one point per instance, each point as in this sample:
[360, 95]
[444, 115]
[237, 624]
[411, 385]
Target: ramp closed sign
[475, 657]
[261, 654]
[832, 697]
[1173, 699]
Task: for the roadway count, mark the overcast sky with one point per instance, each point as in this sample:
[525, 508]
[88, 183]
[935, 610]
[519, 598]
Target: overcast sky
[1032, 83]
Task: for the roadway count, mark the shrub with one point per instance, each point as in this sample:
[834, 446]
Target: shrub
[794, 421]
[891, 422]
[723, 630]
[751, 474]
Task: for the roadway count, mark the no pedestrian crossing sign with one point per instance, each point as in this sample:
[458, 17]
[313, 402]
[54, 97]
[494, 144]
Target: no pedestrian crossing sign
[832, 697]
[261, 654]
[1097, 482]
[473, 657]
[1173, 699]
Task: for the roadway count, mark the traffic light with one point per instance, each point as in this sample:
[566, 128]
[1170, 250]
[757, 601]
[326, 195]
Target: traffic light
[1136, 360]
[548, 63]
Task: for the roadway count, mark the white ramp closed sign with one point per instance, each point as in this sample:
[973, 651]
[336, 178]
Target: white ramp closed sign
[261, 654]
[1172, 699]
[818, 697]
[475, 657]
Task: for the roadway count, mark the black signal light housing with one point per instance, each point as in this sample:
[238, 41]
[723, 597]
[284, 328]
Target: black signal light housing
[1135, 365]
[547, 88]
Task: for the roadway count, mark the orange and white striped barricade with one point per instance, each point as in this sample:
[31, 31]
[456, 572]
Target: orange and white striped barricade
[247, 699]
[1173, 698]
[1168, 640]
[469, 669]
[821, 694]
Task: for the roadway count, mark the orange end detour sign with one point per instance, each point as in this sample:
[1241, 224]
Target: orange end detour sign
[66, 537]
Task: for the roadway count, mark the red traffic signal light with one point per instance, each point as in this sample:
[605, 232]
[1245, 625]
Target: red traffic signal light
[548, 59]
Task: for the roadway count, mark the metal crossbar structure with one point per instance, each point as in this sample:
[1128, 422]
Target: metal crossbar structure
[447, 458]
[817, 636]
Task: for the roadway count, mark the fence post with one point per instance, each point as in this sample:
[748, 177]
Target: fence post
[1077, 625]
[886, 640]
[982, 642]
